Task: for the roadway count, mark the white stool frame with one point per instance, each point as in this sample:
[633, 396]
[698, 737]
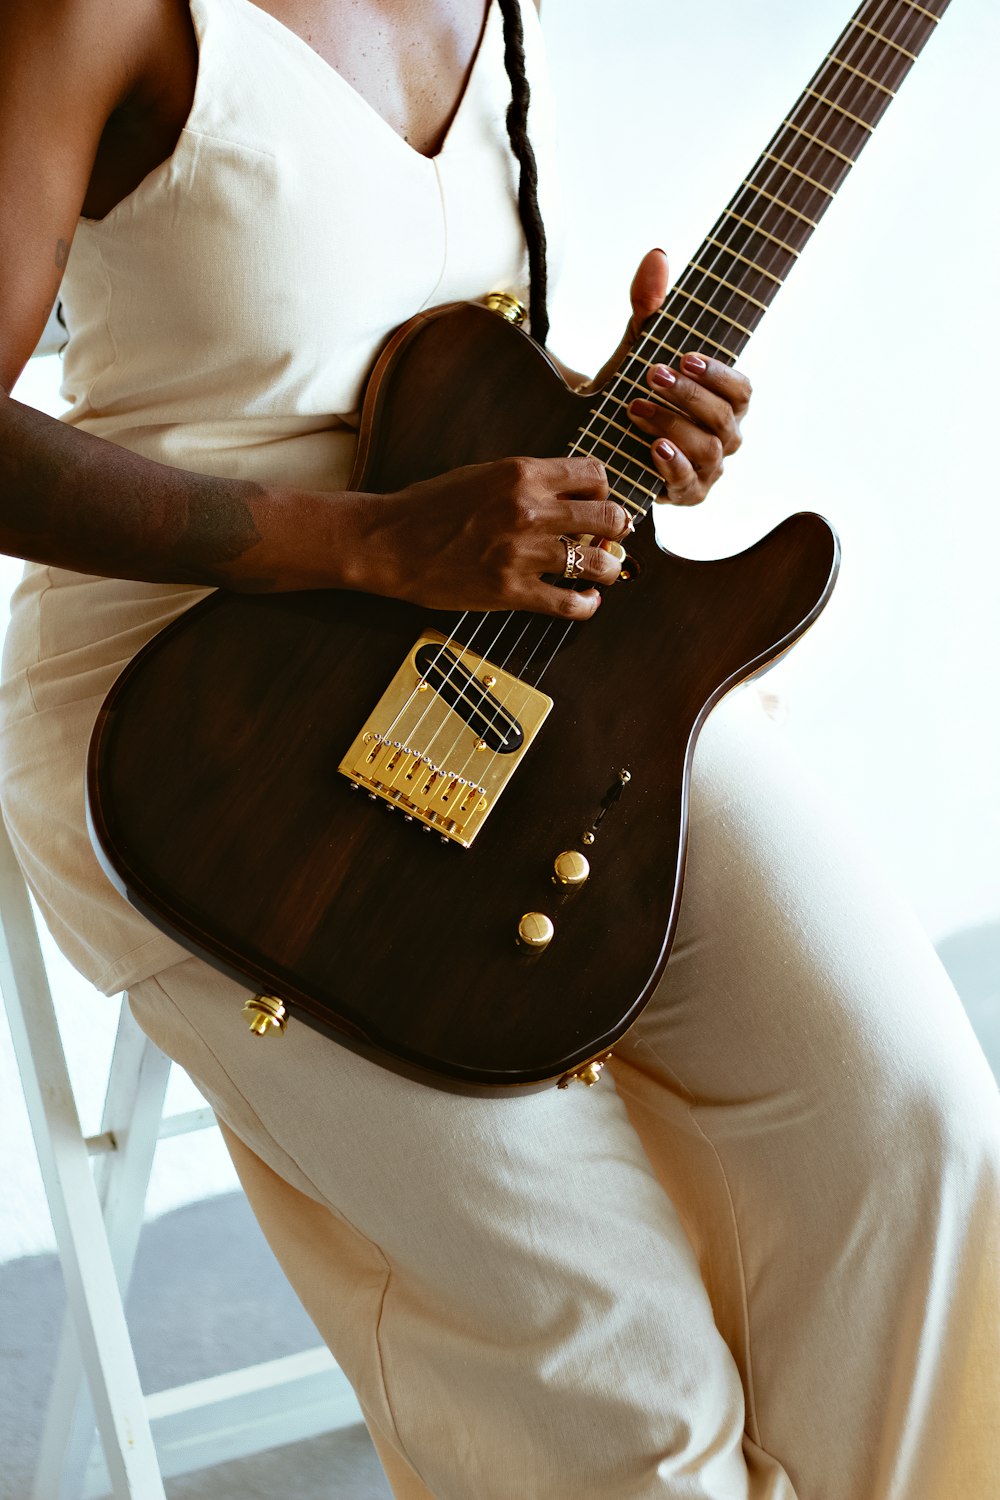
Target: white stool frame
[97, 1217]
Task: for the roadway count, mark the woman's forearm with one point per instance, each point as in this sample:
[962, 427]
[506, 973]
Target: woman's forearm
[77, 501]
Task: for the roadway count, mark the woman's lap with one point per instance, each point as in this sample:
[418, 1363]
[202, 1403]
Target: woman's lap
[517, 1287]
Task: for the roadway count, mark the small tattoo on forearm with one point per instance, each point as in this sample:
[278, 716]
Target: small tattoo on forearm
[62, 255]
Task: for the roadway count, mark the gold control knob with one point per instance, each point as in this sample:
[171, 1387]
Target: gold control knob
[535, 931]
[507, 307]
[266, 1014]
[571, 869]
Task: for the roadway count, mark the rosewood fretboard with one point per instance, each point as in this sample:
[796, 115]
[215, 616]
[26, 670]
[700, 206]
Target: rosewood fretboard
[729, 285]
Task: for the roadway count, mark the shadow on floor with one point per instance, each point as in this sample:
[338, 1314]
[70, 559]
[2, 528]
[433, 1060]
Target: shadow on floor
[207, 1296]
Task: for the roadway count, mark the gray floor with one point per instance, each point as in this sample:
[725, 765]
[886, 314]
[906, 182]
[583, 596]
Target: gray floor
[212, 1259]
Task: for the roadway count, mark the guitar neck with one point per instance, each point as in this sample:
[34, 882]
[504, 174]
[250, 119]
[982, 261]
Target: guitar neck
[745, 260]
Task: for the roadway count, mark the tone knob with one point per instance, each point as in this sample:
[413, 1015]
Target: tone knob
[571, 869]
[535, 931]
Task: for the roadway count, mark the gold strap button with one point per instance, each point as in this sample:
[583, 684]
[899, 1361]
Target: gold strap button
[507, 307]
[589, 1074]
[265, 1014]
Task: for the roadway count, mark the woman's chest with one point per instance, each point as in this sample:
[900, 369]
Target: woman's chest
[409, 60]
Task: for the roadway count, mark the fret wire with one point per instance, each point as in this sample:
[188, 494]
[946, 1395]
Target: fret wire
[619, 400]
[846, 158]
[619, 473]
[825, 144]
[660, 344]
[699, 335]
[841, 131]
[856, 118]
[629, 504]
[923, 10]
[799, 173]
[711, 240]
[887, 39]
[647, 392]
[732, 214]
[857, 71]
[610, 422]
[723, 282]
[629, 432]
[788, 209]
[690, 296]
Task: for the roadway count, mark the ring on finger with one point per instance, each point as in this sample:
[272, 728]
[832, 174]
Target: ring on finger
[574, 558]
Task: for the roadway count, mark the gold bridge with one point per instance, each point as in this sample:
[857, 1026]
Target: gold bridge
[445, 737]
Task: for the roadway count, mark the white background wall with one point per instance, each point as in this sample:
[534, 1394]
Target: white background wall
[875, 404]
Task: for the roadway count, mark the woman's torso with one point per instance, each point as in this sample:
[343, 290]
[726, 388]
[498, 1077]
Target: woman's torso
[222, 318]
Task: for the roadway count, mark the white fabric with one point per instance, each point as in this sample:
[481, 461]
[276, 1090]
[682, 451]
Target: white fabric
[223, 319]
[765, 1267]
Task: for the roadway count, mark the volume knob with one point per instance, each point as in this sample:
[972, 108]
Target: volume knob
[535, 931]
[571, 869]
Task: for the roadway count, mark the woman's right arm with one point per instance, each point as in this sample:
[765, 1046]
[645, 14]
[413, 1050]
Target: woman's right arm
[474, 538]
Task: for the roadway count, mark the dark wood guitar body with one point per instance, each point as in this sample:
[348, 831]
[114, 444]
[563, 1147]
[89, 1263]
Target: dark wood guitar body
[217, 802]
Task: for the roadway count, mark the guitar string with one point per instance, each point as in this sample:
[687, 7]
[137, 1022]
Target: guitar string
[855, 56]
[860, 53]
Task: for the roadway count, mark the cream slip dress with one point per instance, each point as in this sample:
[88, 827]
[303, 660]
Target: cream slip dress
[223, 318]
[760, 1261]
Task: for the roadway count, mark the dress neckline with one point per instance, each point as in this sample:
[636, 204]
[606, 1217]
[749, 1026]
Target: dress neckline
[298, 43]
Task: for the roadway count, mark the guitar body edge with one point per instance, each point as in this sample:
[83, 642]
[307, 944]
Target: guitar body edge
[400, 945]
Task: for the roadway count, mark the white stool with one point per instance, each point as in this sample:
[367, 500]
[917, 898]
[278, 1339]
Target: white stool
[97, 1217]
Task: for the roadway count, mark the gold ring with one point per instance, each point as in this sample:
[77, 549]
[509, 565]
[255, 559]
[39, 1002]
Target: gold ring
[574, 558]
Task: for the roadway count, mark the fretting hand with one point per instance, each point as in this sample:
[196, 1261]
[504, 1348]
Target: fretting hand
[707, 400]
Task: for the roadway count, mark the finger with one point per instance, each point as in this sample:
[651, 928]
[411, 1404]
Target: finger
[704, 449]
[648, 289]
[732, 385]
[588, 518]
[683, 485]
[701, 406]
[646, 294]
[564, 604]
[532, 478]
[598, 566]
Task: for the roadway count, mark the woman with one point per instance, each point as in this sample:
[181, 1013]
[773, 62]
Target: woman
[760, 1265]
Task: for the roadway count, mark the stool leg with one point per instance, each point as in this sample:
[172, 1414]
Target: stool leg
[133, 1109]
[91, 1283]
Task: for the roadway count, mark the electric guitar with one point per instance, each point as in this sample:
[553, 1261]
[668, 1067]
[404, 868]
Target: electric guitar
[457, 844]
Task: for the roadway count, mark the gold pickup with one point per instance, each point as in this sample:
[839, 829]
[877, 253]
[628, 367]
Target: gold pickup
[445, 737]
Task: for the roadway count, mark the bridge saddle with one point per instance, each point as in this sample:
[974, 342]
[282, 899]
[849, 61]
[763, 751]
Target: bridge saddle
[446, 737]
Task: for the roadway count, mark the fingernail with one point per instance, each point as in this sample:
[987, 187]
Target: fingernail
[664, 449]
[663, 376]
[694, 362]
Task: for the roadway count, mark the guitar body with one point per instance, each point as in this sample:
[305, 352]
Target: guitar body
[218, 807]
